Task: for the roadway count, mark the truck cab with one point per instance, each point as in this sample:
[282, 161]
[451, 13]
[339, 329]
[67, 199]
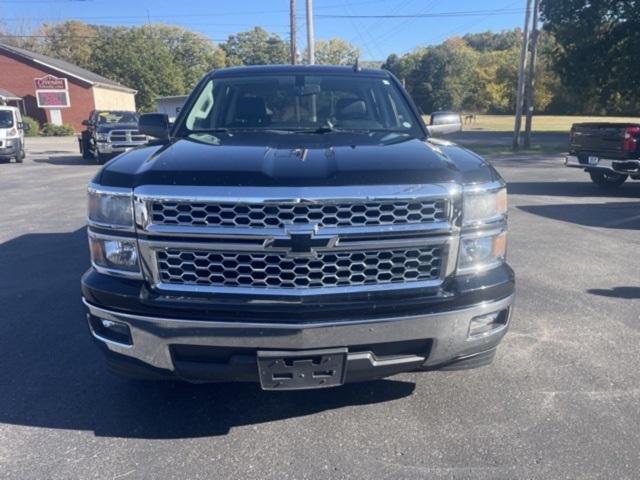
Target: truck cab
[297, 227]
[11, 134]
[108, 133]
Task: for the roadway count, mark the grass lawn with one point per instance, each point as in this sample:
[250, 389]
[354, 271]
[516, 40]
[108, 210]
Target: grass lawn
[541, 123]
[507, 150]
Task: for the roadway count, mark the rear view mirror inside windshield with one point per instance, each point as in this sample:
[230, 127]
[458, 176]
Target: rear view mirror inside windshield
[309, 89]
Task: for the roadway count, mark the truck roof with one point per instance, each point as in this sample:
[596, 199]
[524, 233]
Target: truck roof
[298, 69]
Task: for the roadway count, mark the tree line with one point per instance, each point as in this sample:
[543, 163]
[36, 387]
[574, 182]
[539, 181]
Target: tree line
[587, 60]
[162, 60]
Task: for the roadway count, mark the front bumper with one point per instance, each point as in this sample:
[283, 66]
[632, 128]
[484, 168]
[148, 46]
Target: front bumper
[9, 147]
[622, 167]
[226, 351]
[107, 148]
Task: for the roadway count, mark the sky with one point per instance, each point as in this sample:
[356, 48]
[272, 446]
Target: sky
[424, 22]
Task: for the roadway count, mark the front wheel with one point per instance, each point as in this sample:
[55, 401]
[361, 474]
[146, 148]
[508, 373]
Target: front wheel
[85, 147]
[607, 179]
[21, 155]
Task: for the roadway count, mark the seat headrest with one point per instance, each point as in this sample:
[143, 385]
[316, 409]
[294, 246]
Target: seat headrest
[251, 109]
[351, 109]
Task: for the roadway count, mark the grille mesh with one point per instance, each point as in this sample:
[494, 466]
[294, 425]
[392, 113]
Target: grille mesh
[279, 215]
[328, 269]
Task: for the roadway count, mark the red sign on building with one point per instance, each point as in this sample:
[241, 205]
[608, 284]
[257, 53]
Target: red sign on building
[49, 82]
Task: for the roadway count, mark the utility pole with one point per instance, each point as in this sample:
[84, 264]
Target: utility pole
[311, 49]
[535, 33]
[292, 31]
[521, 72]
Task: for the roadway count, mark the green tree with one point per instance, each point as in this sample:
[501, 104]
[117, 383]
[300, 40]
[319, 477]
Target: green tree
[255, 47]
[491, 41]
[404, 67]
[138, 58]
[72, 41]
[154, 59]
[444, 78]
[496, 75]
[598, 45]
[193, 53]
[335, 52]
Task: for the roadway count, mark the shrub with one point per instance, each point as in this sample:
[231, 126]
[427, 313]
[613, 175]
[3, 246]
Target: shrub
[51, 130]
[34, 127]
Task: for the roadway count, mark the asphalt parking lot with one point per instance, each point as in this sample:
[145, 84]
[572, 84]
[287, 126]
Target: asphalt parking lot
[560, 401]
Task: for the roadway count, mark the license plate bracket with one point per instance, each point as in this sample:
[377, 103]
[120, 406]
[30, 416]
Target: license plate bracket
[298, 370]
[592, 160]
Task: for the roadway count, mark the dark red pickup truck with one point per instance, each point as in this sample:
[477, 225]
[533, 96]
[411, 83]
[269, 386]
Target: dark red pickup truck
[609, 152]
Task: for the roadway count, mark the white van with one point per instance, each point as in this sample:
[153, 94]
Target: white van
[11, 134]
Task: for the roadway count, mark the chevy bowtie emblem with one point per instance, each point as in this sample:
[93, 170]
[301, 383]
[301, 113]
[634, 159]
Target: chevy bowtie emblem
[300, 244]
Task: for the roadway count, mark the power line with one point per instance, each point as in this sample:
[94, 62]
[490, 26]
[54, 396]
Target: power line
[82, 37]
[468, 13]
[466, 26]
[396, 9]
[185, 15]
[46, 1]
[365, 43]
[394, 30]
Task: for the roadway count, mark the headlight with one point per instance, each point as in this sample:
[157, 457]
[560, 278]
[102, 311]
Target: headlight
[482, 251]
[111, 208]
[102, 136]
[484, 206]
[114, 254]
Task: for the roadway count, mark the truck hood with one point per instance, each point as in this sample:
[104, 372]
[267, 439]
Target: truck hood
[284, 160]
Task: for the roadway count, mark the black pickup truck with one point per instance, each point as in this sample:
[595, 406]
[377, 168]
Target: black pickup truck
[297, 226]
[108, 133]
[609, 152]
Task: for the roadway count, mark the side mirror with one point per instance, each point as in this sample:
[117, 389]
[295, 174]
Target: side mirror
[24, 126]
[154, 125]
[443, 129]
[86, 123]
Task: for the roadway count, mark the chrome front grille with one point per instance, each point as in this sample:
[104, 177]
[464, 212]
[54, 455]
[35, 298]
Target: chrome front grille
[297, 241]
[118, 136]
[279, 215]
[127, 136]
[327, 269]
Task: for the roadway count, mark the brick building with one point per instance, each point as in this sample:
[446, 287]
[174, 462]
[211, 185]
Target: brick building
[52, 90]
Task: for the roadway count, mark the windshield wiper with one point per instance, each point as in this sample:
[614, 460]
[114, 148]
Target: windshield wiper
[321, 130]
[210, 130]
[243, 130]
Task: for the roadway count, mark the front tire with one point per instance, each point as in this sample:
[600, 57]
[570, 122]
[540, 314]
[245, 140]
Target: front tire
[21, 155]
[607, 179]
[85, 147]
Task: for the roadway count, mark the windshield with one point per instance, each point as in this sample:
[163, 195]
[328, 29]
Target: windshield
[6, 119]
[302, 103]
[117, 117]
